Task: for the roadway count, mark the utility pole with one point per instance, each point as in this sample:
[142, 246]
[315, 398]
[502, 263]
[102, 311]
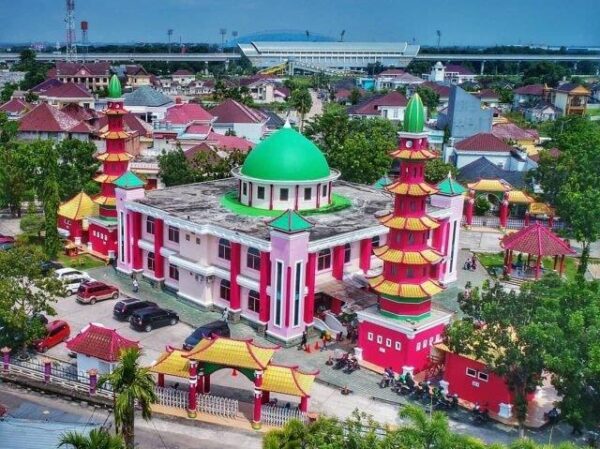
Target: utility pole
[439, 38]
[342, 35]
[223, 32]
[70, 45]
[169, 35]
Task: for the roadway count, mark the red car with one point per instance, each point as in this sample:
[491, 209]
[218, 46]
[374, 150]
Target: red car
[57, 331]
[90, 292]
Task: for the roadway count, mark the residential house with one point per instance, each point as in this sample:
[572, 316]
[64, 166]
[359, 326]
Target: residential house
[465, 116]
[571, 98]
[243, 121]
[93, 75]
[443, 91]
[67, 93]
[10, 77]
[48, 122]
[265, 89]
[488, 97]
[148, 103]
[450, 73]
[390, 106]
[135, 75]
[483, 168]
[15, 108]
[183, 77]
[542, 112]
[511, 133]
[530, 95]
[42, 87]
[393, 79]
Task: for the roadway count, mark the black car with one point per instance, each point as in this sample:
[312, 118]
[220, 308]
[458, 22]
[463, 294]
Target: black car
[123, 309]
[219, 328]
[49, 265]
[151, 318]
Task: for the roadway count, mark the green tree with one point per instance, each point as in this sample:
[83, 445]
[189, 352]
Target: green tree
[76, 167]
[24, 292]
[510, 344]
[546, 73]
[174, 168]
[482, 205]
[14, 159]
[301, 101]
[35, 71]
[430, 97]
[50, 197]
[95, 439]
[354, 96]
[132, 384]
[437, 170]
[32, 224]
[7, 91]
[329, 129]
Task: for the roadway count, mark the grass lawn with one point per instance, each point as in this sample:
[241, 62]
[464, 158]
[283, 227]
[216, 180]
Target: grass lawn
[81, 262]
[496, 261]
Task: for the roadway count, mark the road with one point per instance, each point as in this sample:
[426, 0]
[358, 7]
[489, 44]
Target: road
[156, 434]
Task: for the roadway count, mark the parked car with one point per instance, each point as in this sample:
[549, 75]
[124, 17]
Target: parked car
[57, 331]
[151, 318]
[6, 242]
[72, 279]
[91, 292]
[72, 284]
[125, 308]
[49, 265]
[219, 328]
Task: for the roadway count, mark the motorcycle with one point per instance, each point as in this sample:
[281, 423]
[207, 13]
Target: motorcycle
[341, 362]
[480, 416]
[351, 366]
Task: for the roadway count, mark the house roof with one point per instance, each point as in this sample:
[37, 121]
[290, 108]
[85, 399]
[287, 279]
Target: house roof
[483, 168]
[392, 72]
[457, 68]
[79, 207]
[552, 152]
[135, 69]
[68, 90]
[198, 128]
[15, 106]
[184, 113]
[274, 121]
[203, 147]
[483, 142]
[538, 240]
[79, 112]
[128, 181]
[510, 131]
[231, 111]
[371, 105]
[100, 342]
[78, 68]
[531, 89]
[45, 85]
[290, 222]
[132, 124]
[232, 353]
[146, 96]
[441, 89]
[182, 72]
[450, 187]
[221, 141]
[487, 94]
[46, 118]
[570, 87]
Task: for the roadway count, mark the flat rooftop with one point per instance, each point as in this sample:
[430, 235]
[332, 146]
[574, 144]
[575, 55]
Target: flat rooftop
[200, 203]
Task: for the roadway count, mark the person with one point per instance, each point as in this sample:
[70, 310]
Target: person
[553, 416]
[303, 341]
[135, 285]
[324, 340]
[473, 263]
[225, 314]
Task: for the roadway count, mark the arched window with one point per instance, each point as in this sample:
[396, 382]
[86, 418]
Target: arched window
[253, 300]
[347, 252]
[225, 290]
[253, 259]
[324, 259]
[224, 249]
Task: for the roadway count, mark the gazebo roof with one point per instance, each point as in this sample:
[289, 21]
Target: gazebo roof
[100, 342]
[79, 207]
[288, 380]
[172, 362]
[232, 353]
[541, 209]
[519, 197]
[537, 240]
[490, 185]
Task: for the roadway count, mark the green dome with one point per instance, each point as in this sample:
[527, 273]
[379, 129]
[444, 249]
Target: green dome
[414, 116]
[114, 87]
[286, 155]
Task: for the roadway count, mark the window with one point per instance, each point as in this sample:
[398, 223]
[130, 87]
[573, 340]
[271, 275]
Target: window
[370, 336]
[388, 342]
[379, 339]
[197, 240]
[482, 376]
[375, 242]
[225, 290]
[173, 234]
[424, 343]
[224, 249]
[347, 252]
[307, 193]
[150, 225]
[398, 346]
[324, 190]
[324, 259]
[278, 292]
[244, 189]
[260, 192]
[150, 261]
[187, 237]
[253, 300]
[471, 372]
[173, 272]
[297, 293]
[284, 194]
[418, 346]
[253, 259]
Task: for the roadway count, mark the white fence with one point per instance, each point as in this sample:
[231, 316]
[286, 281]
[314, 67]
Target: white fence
[170, 397]
[513, 223]
[216, 405]
[279, 416]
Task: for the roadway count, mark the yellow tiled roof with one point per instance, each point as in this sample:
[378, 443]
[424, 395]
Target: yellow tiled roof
[105, 178]
[490, 185]
[113, 135]
[78, 207]
[402, 188]
[540, 209]
[516, 196]
[426, 256]
[105, 200]
[415, 155]
[234, 353]
[410, 224]
[114, 157]
[423, 290]
[288, 380]
[172, 363]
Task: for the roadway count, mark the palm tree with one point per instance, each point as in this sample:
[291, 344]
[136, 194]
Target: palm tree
[96, 439]
[131, 383]
[425, 432]
[301, 101]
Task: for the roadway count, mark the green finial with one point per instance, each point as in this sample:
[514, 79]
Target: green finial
[114, 87]
[414, 116]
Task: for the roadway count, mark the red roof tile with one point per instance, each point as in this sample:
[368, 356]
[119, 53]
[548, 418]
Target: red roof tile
[483, 142]
[77, 68]
[46, 118]
[15, 106]
[231, 111]
[79, 112]
[45, 85]
[487, 94]
[510, 131]
[442, 90]
[203, 147]
[100, 342]
[184, 113]
[371, 106]
[530, 89]
[537, 240]
[182, 72]
[392, 72]
[461, 70]
[131, 122]
[223, 142]
[198, 128]
[68, 90]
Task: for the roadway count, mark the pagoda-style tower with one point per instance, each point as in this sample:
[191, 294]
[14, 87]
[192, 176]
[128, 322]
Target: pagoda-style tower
[115, 161]
[399, 332]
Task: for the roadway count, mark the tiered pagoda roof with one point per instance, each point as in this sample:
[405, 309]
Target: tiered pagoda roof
[422, 257]
[424, 289]
[408, 223]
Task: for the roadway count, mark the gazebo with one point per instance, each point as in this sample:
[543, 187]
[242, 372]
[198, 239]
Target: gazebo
[536, 240]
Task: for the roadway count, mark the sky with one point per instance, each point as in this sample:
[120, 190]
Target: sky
[461, 22]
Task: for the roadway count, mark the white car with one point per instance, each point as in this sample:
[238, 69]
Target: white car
[72, 279]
